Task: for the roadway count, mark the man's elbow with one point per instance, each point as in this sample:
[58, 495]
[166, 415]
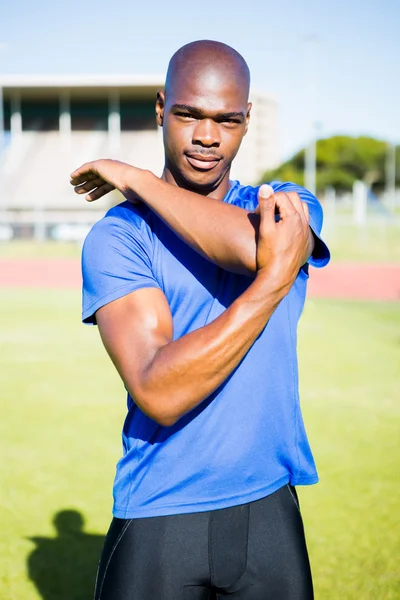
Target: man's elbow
[163, 418]
[158, 411]
[167, 421]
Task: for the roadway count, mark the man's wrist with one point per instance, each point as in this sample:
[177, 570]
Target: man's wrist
[260, 299]
[137, 181]
[276, 278]
[129, 179]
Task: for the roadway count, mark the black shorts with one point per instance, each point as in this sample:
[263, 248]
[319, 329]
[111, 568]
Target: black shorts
[254, 551]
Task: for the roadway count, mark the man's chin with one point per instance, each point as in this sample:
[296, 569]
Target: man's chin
[203, 183]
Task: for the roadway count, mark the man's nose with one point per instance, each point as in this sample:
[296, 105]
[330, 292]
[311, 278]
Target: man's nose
[206, 133]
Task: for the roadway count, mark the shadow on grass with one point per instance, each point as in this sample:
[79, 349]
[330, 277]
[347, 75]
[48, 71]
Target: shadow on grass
[64, 567]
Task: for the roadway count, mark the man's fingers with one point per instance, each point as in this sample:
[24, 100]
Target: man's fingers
[89, 185]
[266, 203]
[285, 205]
[85, 176]
[306, 211]
[302, 210]
[300, 206]
[85, 168]
[297, 203]
[99, 192]
[265, 191]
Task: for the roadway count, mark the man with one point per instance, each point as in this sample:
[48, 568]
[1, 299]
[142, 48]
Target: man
[197, 286]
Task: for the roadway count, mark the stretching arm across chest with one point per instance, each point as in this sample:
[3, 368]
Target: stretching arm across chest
[223, 233]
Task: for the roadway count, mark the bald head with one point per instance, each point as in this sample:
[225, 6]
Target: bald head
[207, 59]
[204, 112]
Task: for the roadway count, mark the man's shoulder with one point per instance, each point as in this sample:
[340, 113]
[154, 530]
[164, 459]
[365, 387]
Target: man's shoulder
[133, 219]
[124, 226]
[134, 215]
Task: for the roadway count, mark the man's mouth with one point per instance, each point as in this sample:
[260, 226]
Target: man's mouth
[202, 162]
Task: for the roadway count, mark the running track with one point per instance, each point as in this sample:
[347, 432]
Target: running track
[338, 280]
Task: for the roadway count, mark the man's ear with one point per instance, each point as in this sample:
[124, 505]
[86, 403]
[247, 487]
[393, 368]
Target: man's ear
[160, 103]
[248, 117]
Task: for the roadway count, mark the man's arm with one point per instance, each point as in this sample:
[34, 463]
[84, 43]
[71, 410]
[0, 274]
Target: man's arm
[222, 233]
[169, 378]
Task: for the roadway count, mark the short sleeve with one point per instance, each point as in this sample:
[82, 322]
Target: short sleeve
[116, 260]
[321, 255]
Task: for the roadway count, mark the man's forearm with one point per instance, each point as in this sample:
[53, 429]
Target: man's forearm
[222, 233]
[186, 371]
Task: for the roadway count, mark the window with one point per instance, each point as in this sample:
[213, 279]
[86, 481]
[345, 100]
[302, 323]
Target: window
[138, 115]
[89, 115]
[40, 115]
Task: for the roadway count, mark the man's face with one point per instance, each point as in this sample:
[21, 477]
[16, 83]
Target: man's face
[204, 118]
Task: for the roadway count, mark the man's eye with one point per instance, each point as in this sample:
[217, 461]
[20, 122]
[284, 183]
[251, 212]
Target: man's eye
[185, 115]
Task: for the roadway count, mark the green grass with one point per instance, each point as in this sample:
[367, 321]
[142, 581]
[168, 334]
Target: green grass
[32, 249]
[62, 407]
[62, 410]
[349, 366]
[378, 242]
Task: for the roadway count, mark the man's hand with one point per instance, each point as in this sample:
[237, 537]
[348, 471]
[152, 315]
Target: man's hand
[99, 177]
[282, 244]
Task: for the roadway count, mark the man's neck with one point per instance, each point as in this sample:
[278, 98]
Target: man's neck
[218, 192]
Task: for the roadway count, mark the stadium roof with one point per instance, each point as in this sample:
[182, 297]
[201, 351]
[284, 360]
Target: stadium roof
[70, 81]
[82, 85]
[42, 86]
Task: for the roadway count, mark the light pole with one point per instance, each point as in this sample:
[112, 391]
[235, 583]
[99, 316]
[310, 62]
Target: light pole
[3, 205]
[310, 164]
[2, 134]
[391, 175]
[310, 157]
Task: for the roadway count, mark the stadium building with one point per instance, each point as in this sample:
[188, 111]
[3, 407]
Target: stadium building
[53, 124]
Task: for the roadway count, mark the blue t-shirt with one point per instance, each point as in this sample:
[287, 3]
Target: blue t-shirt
[248, 438]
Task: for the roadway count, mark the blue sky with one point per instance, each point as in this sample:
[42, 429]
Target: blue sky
[357, 51]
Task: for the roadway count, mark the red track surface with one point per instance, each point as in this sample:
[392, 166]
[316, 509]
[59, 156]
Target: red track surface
[60, 273]
[338, 280]
[356, 281]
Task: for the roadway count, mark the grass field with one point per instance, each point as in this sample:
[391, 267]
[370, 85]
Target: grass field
[377, 242]
[62, 408]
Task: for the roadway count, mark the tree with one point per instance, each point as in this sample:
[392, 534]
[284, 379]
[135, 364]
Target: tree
[340, 161]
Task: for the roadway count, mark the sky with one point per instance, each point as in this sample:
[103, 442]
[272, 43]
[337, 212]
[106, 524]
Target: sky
[334, 64]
